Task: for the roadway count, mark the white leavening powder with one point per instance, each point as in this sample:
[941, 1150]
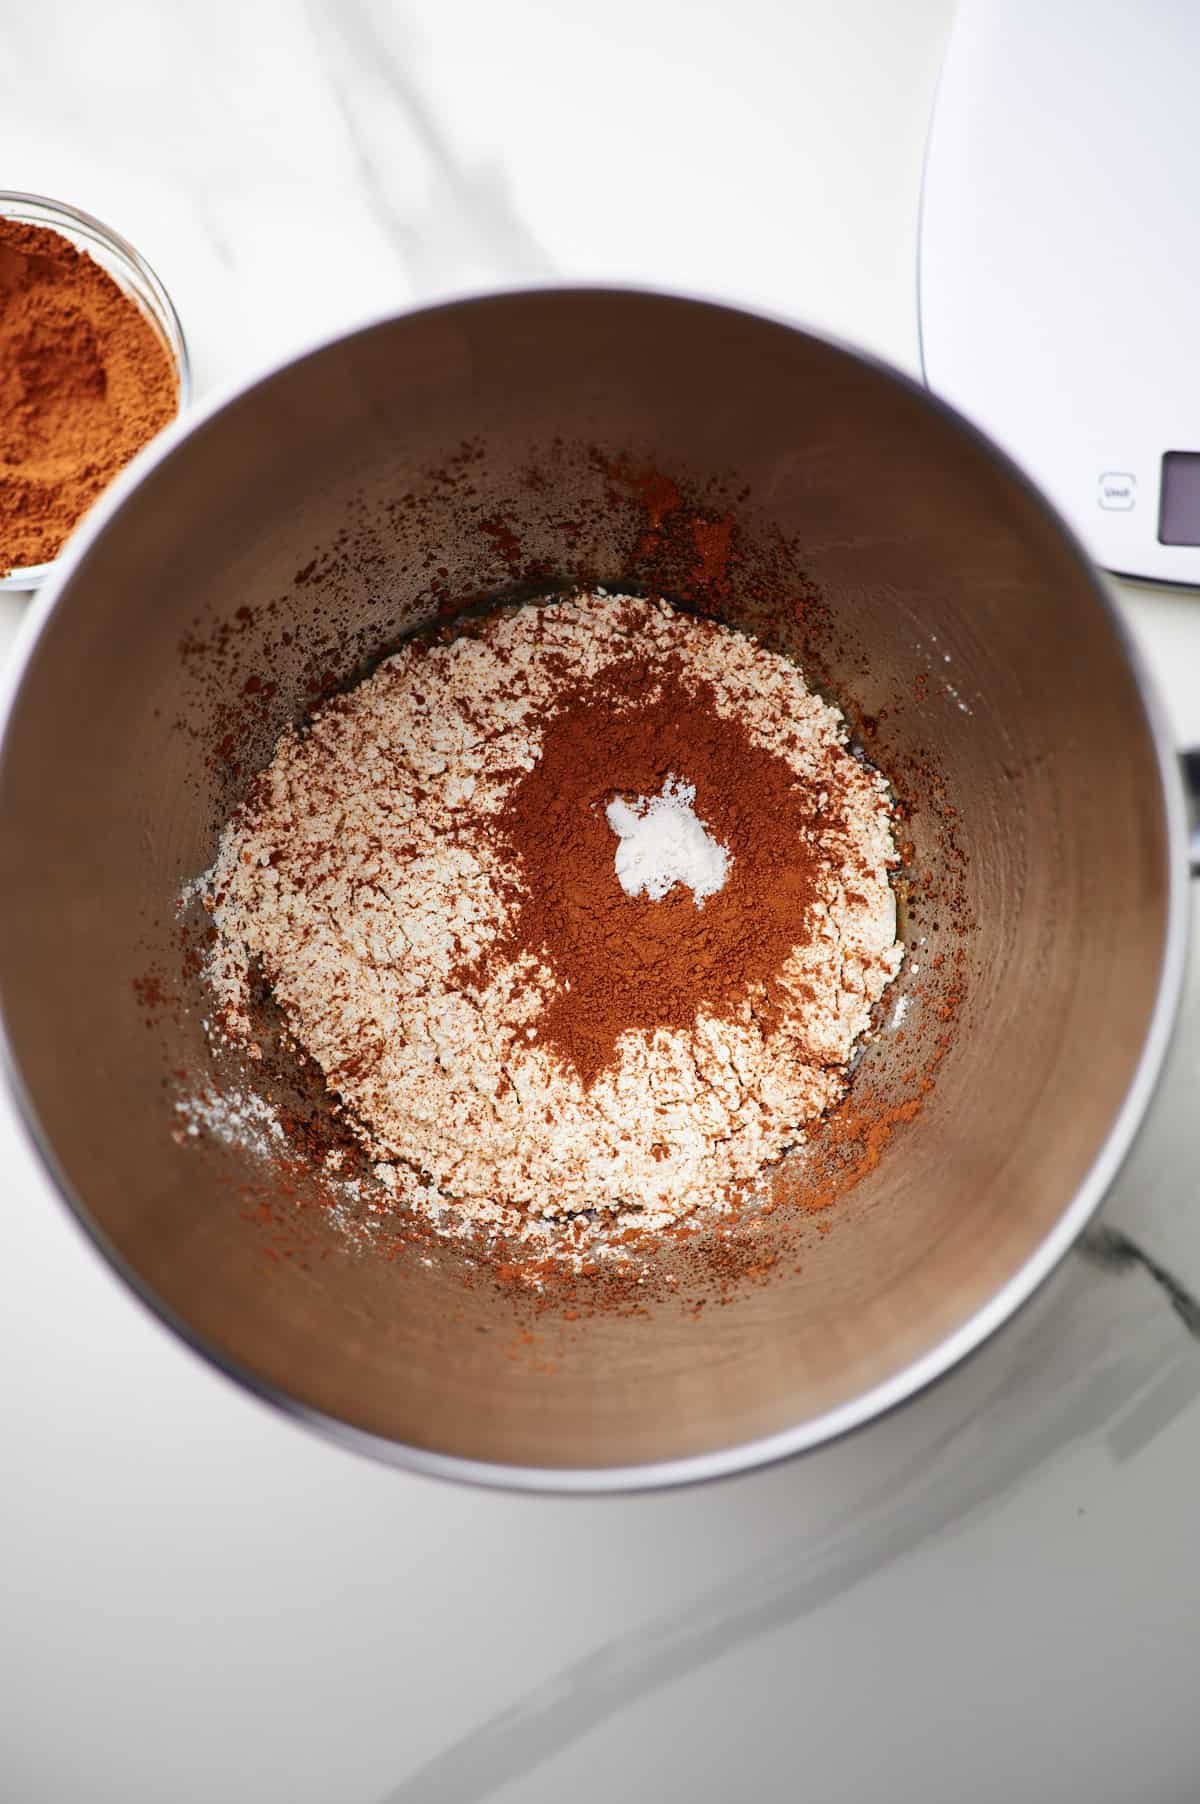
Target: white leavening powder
[661, 842]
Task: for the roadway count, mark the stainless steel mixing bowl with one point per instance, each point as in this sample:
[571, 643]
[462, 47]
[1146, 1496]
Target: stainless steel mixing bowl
[280, 541]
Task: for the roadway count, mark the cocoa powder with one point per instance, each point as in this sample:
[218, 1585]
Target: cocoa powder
[84, 382]
[625, 962]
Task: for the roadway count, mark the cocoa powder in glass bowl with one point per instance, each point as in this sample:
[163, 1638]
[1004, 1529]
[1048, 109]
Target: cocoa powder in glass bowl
[92, 365]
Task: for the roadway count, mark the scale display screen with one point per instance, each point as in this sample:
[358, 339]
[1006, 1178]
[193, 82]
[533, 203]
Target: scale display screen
[1179, 508]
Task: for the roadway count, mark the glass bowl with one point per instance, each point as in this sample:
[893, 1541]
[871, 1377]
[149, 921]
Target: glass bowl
[130, 271]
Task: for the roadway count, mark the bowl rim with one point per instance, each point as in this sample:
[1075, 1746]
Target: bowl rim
[918, 1374]
[33, 576]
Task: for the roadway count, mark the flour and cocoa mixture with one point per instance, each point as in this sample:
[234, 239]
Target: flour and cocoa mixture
[426, 875]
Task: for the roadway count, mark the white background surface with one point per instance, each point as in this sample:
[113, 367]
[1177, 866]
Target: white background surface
[995, 1591]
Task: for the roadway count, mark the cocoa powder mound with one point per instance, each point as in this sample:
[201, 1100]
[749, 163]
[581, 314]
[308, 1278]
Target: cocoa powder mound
[625, 962]
[85, 382]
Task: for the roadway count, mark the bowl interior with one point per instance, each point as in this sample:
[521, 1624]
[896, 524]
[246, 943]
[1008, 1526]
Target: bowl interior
[503, 448]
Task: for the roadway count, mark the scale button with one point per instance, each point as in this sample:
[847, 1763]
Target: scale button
[1116, 489]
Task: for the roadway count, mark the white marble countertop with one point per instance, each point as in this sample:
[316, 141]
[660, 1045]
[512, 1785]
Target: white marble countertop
[993, 1592]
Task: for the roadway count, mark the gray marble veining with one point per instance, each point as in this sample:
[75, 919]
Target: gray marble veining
[465, 227]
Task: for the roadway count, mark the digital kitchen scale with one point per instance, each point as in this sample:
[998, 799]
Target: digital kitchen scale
[1060, 260]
